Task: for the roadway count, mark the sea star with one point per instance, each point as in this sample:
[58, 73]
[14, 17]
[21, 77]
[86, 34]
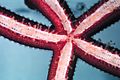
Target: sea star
[70, 37]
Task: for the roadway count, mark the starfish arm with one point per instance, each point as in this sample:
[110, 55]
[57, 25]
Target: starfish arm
[99, 57]
[67, 10]
[54, 12]
[99, 17]
[13, 27]
[61, 62]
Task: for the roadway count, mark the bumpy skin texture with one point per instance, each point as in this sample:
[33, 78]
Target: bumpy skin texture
[69, 39]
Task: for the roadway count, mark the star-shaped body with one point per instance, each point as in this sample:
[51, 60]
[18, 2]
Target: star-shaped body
[70, 37]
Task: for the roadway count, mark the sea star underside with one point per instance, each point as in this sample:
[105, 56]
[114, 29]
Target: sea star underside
[68, 37]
